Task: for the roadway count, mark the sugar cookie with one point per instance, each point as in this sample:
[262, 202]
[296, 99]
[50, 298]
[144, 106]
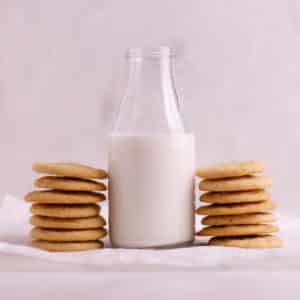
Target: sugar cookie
[236, 209]
[231, 169]
[237, 230]
[69, 184]
[259, 242]
[243, 183]
[65, 211]
[69, 170]
[235, 197]
[64, 197]
[244, 219]
[63, 223]
[67, 246]
[67, 235]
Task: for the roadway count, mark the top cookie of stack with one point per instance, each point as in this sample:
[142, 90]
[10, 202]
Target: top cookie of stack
[239, 201]
[66, 212]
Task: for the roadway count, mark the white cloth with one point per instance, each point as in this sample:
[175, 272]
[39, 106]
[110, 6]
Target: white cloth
[14, 237]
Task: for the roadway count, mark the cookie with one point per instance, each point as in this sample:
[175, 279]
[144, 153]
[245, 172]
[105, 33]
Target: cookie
[69, 184]
[238, 230]
[65, 211]
[244, 219]
[64, 197]
[236, 209]
[63, 235]
[244, 183]
[235, 197]
[69, 170]
[67, 246]
[231, 169]
[259, 242]
[62, 223]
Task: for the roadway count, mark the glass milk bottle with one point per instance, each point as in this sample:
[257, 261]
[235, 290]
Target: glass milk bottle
[151, 159]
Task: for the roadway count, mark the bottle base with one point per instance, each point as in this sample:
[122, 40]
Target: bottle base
[167, 246]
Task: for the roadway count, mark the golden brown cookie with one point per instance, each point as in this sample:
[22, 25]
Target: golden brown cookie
[69, 184]
[67, 246]
[236, 209]
[238, 230]
[259, 242]
[64, 197]
[65, 211]
[235, 197]
[231, 169]
[63, 223]
[244, 183]
[64, 235]
[244, 219]
[69, 170]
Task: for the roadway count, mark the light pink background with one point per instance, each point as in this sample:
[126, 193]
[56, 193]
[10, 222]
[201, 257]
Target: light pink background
[238, 75]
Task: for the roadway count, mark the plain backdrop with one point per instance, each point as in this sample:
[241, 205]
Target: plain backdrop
[238, 75]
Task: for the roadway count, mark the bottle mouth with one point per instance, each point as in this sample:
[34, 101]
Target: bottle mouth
[143, 53]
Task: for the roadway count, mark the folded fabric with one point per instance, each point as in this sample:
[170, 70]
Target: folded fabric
[14, 238]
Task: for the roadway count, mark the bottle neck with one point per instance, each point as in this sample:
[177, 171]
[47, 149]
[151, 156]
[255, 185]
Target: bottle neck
[150, 104]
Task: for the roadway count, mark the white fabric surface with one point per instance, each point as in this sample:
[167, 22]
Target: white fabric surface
[14, 237]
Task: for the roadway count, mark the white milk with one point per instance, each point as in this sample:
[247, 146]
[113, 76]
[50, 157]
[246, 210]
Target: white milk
[151, 190]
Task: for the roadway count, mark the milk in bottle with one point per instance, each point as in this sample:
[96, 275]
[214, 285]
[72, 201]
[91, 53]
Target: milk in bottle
[151, 159]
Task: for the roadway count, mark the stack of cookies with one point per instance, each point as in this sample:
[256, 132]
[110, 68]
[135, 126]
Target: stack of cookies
[238, 214]
[65, 210]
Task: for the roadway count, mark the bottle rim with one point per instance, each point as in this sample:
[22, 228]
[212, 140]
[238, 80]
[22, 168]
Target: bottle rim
[156, 52]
